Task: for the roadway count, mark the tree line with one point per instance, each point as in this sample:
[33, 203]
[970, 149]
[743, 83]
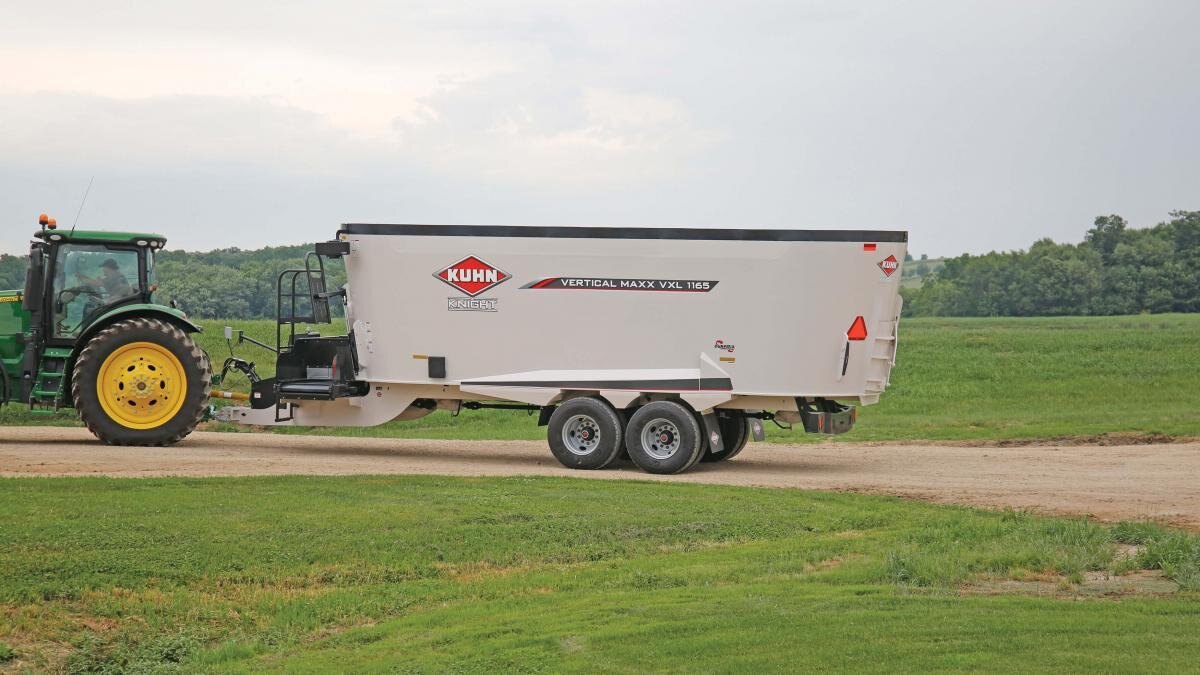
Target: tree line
[1114, 270]
[232, 283]
[225, 283]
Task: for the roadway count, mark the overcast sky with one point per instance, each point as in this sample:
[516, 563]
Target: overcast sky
[974, 125]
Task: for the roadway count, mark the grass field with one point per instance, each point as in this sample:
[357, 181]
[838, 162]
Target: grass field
[955, 379]
[425, 573]
[337, 574]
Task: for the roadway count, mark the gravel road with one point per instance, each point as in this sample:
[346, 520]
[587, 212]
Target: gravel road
[1161, 482]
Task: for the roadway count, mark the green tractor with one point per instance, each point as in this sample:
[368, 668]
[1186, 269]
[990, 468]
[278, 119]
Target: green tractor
[85, 333]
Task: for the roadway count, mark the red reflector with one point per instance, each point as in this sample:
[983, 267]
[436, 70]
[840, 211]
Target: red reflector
[868, 247]
[858, 329]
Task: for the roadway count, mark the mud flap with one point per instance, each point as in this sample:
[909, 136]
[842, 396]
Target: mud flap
[712, 429]
[756, 430]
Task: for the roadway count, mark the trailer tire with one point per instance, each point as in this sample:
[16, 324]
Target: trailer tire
[664, 437]
[626, 414]
[735, 433]
[705, 446]
[585, 433]
[171, 374]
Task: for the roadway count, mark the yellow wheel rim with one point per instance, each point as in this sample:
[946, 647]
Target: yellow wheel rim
[141, 385]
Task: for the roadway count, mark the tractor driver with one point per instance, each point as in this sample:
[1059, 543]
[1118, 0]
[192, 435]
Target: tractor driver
[111, 282]
[75, 304]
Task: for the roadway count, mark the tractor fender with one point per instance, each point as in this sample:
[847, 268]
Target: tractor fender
[146, 310]
[141, 309]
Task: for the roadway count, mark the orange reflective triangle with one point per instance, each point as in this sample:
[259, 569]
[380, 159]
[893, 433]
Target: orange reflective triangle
[858, 329]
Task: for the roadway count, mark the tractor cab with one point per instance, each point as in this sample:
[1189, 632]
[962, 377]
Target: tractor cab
[75, 281]
[77, 277]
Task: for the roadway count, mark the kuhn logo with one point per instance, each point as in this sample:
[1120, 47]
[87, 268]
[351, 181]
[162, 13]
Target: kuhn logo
[889, 265]
[721, 345]
[472, 275]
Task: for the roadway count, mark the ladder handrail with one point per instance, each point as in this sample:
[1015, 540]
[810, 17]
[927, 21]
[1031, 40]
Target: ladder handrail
[308, 272]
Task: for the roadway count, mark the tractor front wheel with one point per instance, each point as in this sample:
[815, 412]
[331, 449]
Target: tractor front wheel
[141, 382]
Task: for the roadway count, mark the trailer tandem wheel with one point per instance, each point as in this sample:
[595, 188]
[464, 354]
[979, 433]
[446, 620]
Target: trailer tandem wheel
[664, 437]
[585, 433]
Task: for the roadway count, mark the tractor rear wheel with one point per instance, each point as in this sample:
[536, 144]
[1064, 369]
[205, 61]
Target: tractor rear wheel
[141, 382]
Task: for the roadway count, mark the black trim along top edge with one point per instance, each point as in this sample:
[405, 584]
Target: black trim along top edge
[592, 232]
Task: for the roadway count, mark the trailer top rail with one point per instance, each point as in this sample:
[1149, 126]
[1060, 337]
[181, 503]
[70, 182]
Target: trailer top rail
[595, 232]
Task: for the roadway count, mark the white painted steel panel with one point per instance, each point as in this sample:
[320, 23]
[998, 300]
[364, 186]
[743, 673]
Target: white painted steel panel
[783, 306]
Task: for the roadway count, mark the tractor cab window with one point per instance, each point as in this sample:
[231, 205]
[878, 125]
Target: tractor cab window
[86, 278]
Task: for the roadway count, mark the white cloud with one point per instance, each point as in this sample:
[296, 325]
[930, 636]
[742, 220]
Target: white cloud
[975, 125]
[359, 97]
[504, 129]
[76, 130]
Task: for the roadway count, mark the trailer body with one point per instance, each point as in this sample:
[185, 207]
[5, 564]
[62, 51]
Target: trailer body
[758, 321]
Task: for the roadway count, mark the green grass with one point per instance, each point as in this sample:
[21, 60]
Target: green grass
[338, 574]
[1040, 377]
[955, 379]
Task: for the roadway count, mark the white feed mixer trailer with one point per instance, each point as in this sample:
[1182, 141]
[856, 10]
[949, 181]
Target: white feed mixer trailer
[670, 344]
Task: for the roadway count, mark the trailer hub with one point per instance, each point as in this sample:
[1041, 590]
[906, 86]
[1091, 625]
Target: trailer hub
[580, 435]
[660, 439]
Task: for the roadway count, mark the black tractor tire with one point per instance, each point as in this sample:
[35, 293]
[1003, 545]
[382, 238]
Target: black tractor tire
[585, 433]
[677, 437]
[735, 433]
[193, 362]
